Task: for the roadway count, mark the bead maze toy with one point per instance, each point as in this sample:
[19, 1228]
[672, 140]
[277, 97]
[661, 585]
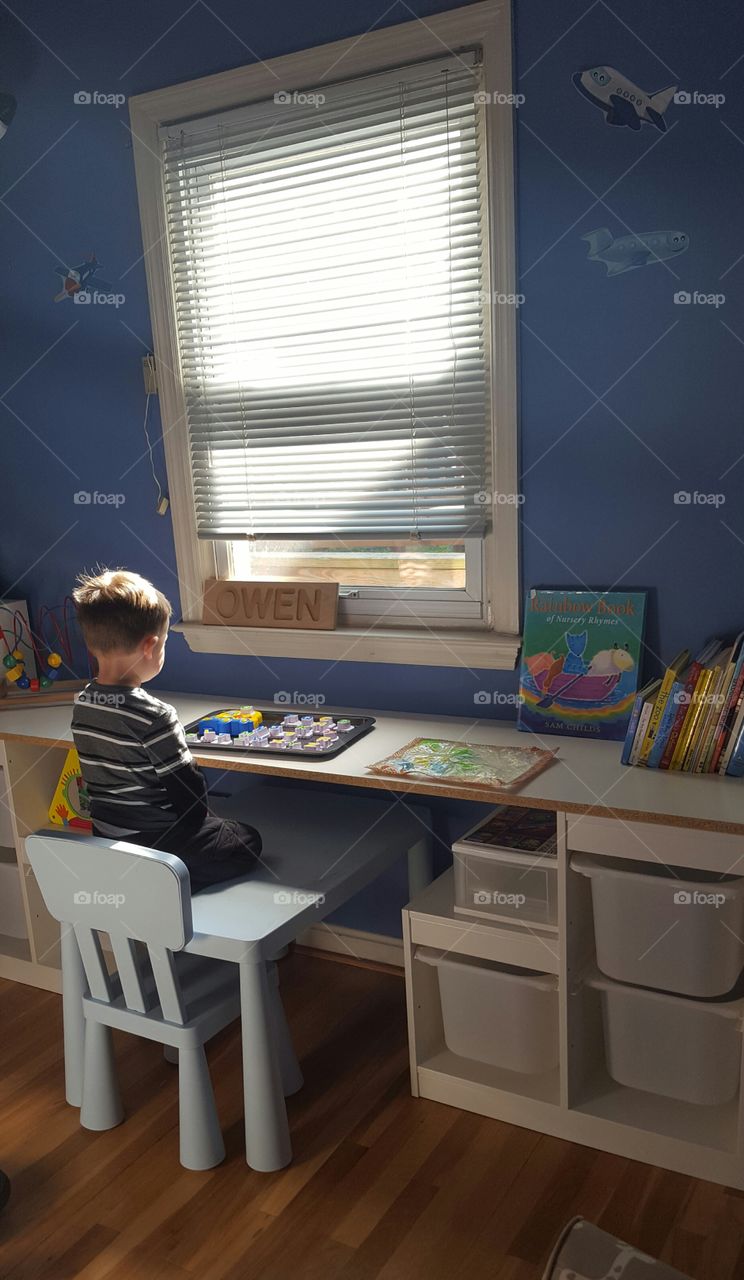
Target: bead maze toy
[32, 662]
[269, 732]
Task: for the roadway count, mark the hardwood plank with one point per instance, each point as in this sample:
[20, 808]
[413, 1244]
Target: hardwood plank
[383, 1186]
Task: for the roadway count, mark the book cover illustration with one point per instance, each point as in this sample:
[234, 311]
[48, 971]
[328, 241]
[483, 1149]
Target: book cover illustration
[580, 662]
[69, 807]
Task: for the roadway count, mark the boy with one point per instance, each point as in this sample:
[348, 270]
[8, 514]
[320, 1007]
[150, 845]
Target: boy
[143, 785]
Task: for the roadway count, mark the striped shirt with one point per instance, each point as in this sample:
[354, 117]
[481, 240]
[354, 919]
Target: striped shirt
[138, 771]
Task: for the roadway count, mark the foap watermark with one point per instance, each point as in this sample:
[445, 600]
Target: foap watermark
[696, 898]
[482, 97]
[94, 898]
[94, 298]
[694, 98]
[298, 898]
[492, 698]
[491, 498]
[299, 698]
[485, 898]
[98, 699]
[497, 299]
[94, 98]
[84, 498]
[683, 298]
[683, 699]
[684, 498]
[298, 99]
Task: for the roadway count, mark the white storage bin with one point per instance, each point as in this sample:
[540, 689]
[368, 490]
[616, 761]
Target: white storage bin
[505, 868]
[6, 830]
[12, 917]
[496, 1014]
[666, 1044]
[666, 927]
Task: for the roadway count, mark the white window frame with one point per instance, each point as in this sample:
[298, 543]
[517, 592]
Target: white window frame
[491, 639]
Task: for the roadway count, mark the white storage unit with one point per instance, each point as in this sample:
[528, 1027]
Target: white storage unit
[7, 839]
[12, 915]
[672, 1046]
[505, 868]
[666, 927]
[497, 1014]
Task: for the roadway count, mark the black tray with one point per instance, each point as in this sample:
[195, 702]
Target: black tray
[362, 725]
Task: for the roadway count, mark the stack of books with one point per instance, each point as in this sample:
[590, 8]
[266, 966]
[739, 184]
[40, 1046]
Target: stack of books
[692, 719]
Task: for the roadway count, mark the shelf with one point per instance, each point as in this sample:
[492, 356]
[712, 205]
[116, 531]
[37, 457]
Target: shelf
[15, 948]
[544, 1088]
[435, 923]
[710, 1127]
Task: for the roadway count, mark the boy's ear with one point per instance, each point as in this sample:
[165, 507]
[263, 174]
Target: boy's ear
[149, 644]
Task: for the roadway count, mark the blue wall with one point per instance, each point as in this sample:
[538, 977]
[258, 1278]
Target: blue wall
[599, 478]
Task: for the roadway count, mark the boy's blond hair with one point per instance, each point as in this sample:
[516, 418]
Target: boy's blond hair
[117, 609]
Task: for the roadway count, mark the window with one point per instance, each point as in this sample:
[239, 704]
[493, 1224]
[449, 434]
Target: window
[328, 269]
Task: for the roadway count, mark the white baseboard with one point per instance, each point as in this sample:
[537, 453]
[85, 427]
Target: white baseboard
[354, 943]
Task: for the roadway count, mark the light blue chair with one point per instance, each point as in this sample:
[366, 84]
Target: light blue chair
[141, 899]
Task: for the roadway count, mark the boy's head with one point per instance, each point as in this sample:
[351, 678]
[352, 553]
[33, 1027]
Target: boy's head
[124, 620]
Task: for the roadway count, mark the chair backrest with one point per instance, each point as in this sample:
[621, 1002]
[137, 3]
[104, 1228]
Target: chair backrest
[135, 895]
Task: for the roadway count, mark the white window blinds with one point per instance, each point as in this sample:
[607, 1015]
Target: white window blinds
[327, 256]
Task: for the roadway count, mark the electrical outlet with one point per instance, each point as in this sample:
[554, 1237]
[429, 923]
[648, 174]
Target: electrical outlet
[149, 373]
[162, 506]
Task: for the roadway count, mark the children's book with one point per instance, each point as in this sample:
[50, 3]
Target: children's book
[726, 722]
[657, 712]
[69, 807]
[639, 718]
[682, 695]
[580, 661]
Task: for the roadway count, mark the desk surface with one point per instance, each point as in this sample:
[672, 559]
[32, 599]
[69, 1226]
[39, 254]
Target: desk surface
[587, 777]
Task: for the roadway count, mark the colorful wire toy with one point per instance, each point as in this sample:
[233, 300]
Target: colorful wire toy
[14, 661]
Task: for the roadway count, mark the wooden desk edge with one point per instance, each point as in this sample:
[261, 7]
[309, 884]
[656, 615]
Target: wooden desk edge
[375, 782]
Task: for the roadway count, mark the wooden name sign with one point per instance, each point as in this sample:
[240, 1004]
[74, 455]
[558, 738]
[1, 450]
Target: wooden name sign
[271, 602]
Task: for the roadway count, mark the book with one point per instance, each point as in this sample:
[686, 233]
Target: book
[580, 662]
[683, 697]
[735, 767]
[734, 735]
[692, 720]
[70, 807]
[643, 722]
[666, 723]
[728, 715]
[717, 698]
[643, 695]
[670, 675]
[512, 827]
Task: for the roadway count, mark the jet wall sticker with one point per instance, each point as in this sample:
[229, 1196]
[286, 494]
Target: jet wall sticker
[622, 101]
[627, 252]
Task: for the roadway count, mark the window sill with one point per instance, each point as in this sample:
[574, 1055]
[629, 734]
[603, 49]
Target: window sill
[484, 650]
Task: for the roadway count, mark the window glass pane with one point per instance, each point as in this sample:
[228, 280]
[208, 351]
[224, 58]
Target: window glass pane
[402, 565]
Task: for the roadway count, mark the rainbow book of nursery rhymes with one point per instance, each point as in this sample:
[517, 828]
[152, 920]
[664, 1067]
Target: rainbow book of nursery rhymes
[580, 661]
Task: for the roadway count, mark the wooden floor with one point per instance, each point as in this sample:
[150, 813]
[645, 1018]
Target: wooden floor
[382, 1185]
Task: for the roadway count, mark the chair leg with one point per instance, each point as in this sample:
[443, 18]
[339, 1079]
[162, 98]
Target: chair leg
[170, 1054]
[73, 989]
[101, 1107]
[289, 1067]
[267, 1144]
[201, 1141]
